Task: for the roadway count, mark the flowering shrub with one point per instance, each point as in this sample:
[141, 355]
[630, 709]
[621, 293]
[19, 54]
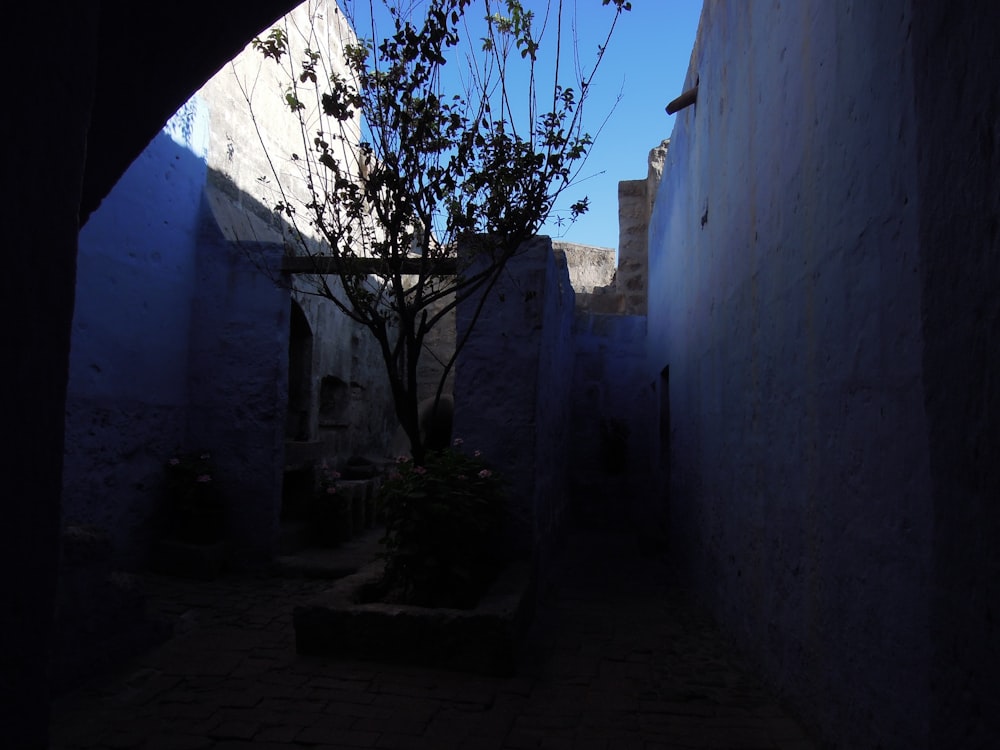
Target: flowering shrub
[195, 505]
[328, 479]
[443, 521]
[330, 511]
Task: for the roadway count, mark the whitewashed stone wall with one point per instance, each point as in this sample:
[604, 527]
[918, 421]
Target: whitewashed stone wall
[181, 338]
[510, 389]
[785, 297]
[253, 134]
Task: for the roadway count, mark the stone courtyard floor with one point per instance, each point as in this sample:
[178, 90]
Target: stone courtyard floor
[616, 658]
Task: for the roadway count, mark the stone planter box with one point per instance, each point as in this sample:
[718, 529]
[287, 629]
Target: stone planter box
[481, 640]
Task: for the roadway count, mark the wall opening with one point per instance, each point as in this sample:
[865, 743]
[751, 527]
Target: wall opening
[614, 445]
[664, 431]
[334, 404]
[300, 355]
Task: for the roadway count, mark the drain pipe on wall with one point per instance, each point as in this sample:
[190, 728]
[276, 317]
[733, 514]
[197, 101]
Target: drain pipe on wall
[684, 100]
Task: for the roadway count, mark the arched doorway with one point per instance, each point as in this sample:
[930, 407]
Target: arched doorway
[299, 477]
[298, 424]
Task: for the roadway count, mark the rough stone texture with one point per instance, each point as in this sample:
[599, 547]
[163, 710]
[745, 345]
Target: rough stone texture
[510, 387]
[633, 226]
[590, 268]
[235, 147]
[237, 381]
[113, 466]
[785, 297]
[181, 335]
[655, 161]
[120, 127]
[482, 639]
[179, 343]
[635, 204]
[127, 398]
[345, 400]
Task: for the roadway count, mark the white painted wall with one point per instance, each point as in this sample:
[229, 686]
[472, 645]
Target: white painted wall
[785, 298]
[180, 342]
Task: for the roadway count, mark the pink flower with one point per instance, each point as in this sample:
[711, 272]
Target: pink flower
[203, 478]
[477, 454]
[402, 459]
[485, 474]
[419, 470]
[457, 442]
[174, 461]
[331, 490]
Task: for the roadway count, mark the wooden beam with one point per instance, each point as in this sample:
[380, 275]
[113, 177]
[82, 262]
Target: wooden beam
[327, 264]
[686, 99]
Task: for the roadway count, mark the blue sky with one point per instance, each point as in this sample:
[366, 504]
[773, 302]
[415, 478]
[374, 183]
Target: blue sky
[646, 62]
[645, 65]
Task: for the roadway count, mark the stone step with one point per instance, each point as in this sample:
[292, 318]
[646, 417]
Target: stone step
[332, 563]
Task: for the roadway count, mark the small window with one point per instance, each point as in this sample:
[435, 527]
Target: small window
[334, 403]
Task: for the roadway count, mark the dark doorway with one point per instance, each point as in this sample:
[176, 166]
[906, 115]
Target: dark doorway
[664, 433]
[300, 353]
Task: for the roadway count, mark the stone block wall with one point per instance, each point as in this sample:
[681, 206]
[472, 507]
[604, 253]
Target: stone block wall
[635, 205]
[553, 407]
[591, 271]
[350, 407]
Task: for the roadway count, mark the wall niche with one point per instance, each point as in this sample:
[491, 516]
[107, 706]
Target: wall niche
[334, 404]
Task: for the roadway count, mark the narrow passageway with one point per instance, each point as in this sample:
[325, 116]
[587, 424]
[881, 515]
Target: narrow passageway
[616, 657]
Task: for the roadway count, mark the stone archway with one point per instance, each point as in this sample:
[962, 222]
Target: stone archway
[113, 81]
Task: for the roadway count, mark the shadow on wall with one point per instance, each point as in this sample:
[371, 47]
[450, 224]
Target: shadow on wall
[178, 342]
[128, 392]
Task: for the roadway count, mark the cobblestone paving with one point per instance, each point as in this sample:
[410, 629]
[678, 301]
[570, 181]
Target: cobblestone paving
[616, 659]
